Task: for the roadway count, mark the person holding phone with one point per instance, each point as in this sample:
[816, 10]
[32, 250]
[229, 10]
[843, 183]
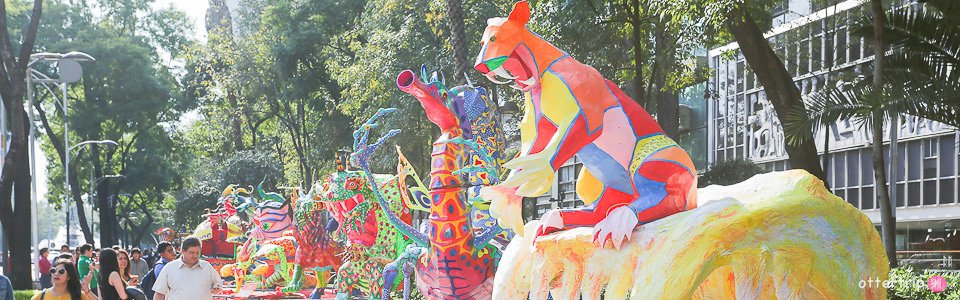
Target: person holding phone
[67, 284]
[87, 264]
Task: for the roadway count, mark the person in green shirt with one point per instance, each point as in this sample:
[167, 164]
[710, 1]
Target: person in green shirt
[85, 265]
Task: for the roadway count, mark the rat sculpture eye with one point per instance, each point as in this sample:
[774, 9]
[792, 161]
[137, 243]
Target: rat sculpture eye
[493, 38]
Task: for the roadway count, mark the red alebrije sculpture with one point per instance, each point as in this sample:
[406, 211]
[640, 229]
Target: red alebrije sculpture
[632, 171]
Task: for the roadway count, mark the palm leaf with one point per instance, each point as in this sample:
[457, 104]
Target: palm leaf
[852, 101]
[921, 71]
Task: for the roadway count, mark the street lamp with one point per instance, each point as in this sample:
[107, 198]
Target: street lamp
[69, 70]
[66, 171]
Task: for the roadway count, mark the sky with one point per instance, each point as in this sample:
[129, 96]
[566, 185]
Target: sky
[196, 10]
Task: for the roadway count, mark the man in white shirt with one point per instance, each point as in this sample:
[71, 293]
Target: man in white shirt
[188, 277]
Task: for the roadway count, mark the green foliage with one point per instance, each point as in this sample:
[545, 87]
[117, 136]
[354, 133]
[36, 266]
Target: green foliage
[923, 59]
[129, 95]
[908, 283]
[729, 172]
[210, 176]
[23, 295]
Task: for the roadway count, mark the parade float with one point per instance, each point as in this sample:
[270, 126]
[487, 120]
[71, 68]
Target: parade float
[222, 231]
[220, 239]
[287, 248]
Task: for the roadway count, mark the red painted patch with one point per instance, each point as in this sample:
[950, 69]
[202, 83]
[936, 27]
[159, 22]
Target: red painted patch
[643, 123]
[577, 137]
[545, 131]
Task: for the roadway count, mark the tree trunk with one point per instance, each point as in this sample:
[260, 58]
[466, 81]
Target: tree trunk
[826, 153]
[457, 39]
[667, 99]
[888, 223]
[235, 122]
[15, 177]
[108, 215]
[107, 212]
[220, 27]
[15, 197]
[779, 86]
[638, 40]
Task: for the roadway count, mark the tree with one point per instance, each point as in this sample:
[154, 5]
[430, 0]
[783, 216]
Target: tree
[126, 96]
[888, 223]
[729, 172]
[923, 57]
[15, 175]
[458, 40]
[918, 80]
[739, 18]
[245, 169]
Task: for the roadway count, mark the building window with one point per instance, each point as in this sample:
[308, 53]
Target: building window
[828, 50]
[780, 8]
[816, 58]
[931, 148]
[567, 184]
[929, 244]
[842, 43]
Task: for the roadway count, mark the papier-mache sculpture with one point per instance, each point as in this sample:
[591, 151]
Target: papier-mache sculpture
[370, 239]
[778, 235]
[633, 173]
[454, 261]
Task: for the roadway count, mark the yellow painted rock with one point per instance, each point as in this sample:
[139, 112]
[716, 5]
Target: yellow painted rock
[776, 235]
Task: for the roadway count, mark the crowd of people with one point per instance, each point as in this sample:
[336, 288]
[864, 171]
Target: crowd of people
[88, 273]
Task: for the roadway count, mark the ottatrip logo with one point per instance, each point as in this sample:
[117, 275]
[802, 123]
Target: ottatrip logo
[937, 283]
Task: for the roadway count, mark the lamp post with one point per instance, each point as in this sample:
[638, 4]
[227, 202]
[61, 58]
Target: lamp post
[70, 71]
[66, 170]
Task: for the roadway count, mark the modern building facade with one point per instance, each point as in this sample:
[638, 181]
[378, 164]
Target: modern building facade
[820, 52]
[734, 120]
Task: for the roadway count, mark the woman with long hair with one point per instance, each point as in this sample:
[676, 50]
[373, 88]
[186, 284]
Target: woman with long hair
[132, 281]
[111, 286]
[123, 261]
[66, 283]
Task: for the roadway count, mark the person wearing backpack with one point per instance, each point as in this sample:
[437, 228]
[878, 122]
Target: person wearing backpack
[167, 254]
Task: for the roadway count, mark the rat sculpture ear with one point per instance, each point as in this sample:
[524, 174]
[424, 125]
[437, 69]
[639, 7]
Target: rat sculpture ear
[520, 13]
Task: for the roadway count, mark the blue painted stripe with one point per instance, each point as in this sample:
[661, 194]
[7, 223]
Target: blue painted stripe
[605, 168]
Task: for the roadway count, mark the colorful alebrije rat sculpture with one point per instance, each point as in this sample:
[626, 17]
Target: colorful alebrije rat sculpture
[632, 171]
[275, 254]
[371, 241]
[458, 262]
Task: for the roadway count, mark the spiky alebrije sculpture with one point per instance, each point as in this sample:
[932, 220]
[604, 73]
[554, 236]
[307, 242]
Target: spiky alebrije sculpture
[369, 238]
[458, 263]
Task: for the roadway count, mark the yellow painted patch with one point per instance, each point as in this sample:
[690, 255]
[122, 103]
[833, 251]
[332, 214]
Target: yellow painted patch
[646, 147]
[559, 106]
[589, 187]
